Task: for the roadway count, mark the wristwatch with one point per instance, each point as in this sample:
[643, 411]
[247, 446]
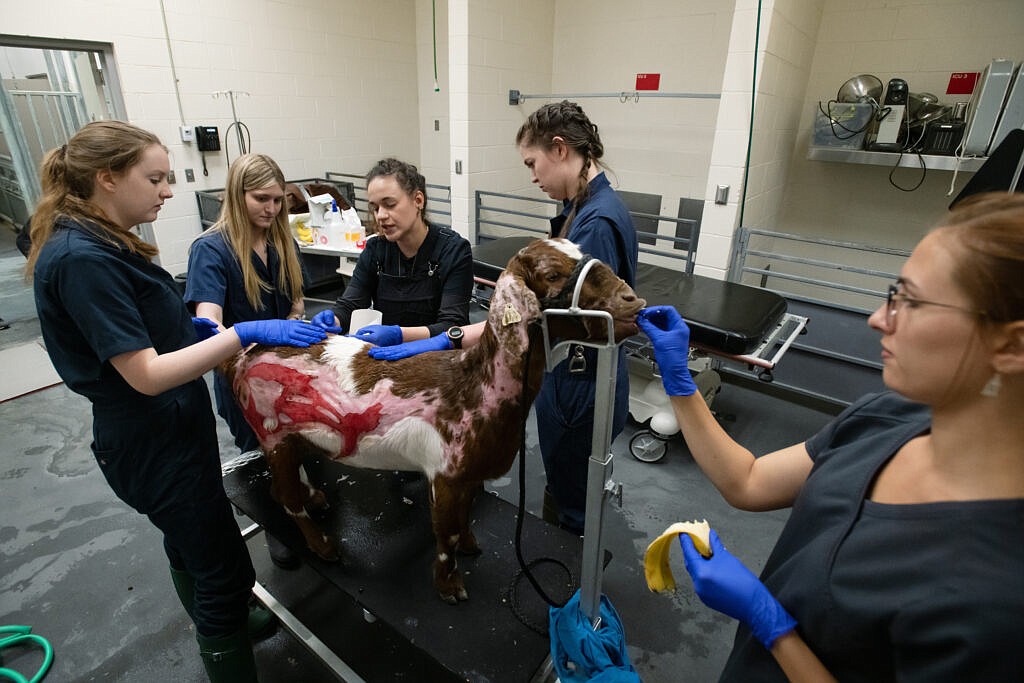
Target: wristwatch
[455, 335]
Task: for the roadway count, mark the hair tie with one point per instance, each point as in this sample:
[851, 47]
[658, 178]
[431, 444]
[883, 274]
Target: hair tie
[63, 151]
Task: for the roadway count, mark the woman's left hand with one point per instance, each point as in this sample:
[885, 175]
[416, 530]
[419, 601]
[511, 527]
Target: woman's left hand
[205, 328]
[380, 335]
[439, 342]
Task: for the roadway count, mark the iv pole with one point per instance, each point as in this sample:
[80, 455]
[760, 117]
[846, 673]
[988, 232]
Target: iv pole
[244, 141]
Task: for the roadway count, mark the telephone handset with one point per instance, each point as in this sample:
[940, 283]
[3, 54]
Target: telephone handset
[207, 139]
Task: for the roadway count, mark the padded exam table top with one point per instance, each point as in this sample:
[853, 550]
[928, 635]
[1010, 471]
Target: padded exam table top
[382, 524]
[726, 317]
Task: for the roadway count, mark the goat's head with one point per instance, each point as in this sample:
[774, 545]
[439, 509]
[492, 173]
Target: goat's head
[550, 269]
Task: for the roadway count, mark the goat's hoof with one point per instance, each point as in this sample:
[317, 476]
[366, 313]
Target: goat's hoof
[325, 550]
[459, 595]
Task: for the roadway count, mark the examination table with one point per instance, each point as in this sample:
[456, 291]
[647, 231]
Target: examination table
[382, 522]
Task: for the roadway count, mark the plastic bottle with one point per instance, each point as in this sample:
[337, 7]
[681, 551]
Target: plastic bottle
[333, 226]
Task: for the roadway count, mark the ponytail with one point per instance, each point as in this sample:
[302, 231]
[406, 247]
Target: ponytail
[68, 177]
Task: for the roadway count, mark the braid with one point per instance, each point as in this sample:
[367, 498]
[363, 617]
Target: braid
[567, 121]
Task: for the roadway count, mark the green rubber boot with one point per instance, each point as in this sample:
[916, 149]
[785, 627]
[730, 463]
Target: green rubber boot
[228, 659]
[260, 623]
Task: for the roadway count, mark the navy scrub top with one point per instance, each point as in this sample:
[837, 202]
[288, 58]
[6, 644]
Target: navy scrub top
[215, 276]
[95, 301]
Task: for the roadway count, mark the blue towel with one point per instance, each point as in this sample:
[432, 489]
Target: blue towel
[580, 653]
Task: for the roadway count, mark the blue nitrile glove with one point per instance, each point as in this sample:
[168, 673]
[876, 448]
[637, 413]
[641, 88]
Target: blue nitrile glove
[725, 585]
[325, 319]
[381, 335]
[439, 342]
[205, 328]
[671, 339]
[279, 332]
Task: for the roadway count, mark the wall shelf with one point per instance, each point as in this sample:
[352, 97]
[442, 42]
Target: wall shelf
[933, 162]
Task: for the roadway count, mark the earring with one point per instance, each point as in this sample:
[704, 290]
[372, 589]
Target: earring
[992, 387]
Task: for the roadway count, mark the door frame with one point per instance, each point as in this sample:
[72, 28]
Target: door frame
[28, 178]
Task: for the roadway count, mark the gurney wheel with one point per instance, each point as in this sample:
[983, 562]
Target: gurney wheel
[646, 446]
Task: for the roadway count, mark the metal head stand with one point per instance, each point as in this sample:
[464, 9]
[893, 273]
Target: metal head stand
[598, 483]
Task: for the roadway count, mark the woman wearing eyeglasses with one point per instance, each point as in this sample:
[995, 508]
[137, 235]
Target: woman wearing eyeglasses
[903, 556]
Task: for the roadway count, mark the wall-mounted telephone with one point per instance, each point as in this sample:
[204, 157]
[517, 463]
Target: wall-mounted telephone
[207, 139]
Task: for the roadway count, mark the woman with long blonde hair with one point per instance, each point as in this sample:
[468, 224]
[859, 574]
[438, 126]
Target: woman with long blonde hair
[246, 267]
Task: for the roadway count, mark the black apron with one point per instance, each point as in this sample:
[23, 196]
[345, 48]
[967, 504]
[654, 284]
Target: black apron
[411, 299]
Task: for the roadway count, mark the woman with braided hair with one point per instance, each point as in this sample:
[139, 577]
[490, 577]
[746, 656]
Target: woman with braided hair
[563, 150]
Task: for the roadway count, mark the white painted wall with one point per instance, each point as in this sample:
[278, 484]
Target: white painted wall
[332, 85]
[337, 85]
[496, 46]
[434, 156]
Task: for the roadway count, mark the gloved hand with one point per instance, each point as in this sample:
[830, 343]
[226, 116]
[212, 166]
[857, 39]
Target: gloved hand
[439, 342]
[205, 328]
[325, 319]
[381, 335]
[279, 332]
[671, 339]
[725, 585]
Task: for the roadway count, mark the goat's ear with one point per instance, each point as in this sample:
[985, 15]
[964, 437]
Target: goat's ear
[513, 300]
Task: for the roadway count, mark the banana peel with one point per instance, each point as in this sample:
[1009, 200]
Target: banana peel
[657, 570]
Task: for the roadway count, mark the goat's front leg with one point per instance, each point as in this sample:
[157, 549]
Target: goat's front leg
[291, 488]
[445, 515]
[466, 494]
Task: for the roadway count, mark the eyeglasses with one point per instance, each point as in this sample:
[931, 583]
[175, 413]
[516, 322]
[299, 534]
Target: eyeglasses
[894, 300]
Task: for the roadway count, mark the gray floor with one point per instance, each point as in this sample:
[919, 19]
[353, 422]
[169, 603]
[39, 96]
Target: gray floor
[89, 574]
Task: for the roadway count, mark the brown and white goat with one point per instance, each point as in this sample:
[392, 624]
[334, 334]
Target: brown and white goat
[454, 415]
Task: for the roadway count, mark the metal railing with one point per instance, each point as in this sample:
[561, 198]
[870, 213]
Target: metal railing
[840, 274]
[500, 214]
[836, 284]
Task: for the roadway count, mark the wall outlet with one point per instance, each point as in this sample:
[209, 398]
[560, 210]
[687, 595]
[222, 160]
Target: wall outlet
[188, 134]
[189, 175]
[170, 178]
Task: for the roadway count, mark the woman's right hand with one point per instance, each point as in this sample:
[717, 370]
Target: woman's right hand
[279, 333]
[326, 320]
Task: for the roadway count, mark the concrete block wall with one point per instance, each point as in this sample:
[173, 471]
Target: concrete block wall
[332, 85]
[337, 85]
[921, 41]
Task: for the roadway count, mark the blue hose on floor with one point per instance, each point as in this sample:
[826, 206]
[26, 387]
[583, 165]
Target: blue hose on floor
[22, 634]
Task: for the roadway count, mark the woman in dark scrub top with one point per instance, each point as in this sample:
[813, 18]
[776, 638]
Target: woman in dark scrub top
[118, 333]
[419, 276]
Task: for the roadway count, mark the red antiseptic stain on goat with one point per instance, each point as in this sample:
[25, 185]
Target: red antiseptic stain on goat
[301, 404]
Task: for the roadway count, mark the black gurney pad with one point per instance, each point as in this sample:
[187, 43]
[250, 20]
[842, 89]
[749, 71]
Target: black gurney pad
[727, 317]
[724, 316]
[381, 522]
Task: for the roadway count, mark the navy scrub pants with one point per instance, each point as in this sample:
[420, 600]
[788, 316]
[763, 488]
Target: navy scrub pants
[160, 456]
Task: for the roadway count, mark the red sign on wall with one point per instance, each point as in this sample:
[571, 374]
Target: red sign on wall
[648, 81]
[962, 82]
